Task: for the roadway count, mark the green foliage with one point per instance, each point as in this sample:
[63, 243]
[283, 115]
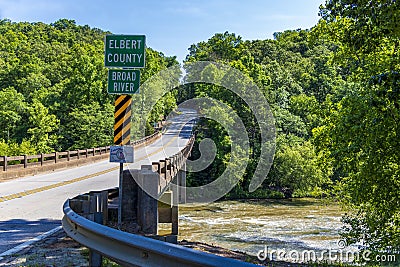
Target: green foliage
[90, 126]
[53, 87]
[154, 89]
[334, 92]
[14, 149]
[221, 47]
[297, 166]
[360, 132]
[41, 126]
[294, 75]
[259, 193]
[12, 107]
[371, 22]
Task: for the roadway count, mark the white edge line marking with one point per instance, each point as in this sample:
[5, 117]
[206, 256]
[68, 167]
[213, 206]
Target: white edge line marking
[29, 242]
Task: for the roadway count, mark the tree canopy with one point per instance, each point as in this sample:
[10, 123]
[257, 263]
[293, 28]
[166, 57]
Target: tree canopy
[53, 91]
[361, 131]
[295, 77]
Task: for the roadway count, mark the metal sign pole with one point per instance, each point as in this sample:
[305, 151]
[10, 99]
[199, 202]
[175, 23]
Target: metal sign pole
[121, 174]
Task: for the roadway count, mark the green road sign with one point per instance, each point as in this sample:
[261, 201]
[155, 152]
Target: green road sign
[125, 51]
[123, 81]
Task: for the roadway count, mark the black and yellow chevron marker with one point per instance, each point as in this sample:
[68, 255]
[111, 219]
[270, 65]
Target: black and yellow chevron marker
[122, 116]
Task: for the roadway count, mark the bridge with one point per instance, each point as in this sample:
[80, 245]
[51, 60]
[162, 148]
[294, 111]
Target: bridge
[86, 198]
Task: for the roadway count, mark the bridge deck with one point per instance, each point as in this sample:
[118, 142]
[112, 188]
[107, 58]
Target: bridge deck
[37, 208]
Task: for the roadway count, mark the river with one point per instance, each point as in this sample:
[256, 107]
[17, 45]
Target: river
[251, 225]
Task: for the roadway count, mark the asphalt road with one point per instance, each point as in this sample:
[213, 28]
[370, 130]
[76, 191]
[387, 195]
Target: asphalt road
[40, 211]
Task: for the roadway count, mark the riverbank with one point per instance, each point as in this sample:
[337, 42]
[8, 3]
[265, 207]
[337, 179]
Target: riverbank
[234, 229]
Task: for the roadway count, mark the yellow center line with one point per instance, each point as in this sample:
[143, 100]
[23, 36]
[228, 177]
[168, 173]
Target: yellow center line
[82, 178]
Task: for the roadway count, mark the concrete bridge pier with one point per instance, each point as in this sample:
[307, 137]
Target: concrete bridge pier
[181, 181]
[147, 206]
[141, 208]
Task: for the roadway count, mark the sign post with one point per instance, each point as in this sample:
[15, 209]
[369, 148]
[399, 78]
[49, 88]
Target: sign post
[122, 53]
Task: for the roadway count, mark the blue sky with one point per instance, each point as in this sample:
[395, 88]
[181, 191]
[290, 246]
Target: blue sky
[172, 26]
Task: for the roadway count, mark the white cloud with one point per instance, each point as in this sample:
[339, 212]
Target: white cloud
[186, 10]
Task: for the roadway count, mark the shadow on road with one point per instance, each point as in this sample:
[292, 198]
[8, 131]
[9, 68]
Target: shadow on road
[17, 231]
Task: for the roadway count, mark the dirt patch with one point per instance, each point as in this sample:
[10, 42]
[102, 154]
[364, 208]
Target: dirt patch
[56, 250]
[60, 250]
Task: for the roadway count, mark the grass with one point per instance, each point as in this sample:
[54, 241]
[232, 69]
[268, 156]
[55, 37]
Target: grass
[109, 263]
[106, 262]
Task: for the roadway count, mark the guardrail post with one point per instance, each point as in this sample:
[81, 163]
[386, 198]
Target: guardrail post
[68, 156]
[55, 157]
[85, 205]
[104, 206]
[94, 152]
[5, 161]
[86, 152]
[93, 205]
[163, 169]
[95, 214]
[173, 166]
[156, 167]
[41, 159]
[76, 205]
[95, 259]
[77, 154]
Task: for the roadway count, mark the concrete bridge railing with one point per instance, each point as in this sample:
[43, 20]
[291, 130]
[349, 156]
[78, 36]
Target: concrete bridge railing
[18, 166]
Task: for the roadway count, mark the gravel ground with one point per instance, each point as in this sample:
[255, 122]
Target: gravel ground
[56, 250]
[59, 250]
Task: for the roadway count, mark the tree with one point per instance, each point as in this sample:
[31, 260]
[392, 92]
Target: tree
[42, 127]
[298, 168]
[12, 106]
[154, 89]
[91, 125]
[288, 71]
[221, 47]
[361, 133]
[50, 71]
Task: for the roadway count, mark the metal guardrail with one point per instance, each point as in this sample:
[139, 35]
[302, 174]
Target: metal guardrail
[129, 249]
[135, 250]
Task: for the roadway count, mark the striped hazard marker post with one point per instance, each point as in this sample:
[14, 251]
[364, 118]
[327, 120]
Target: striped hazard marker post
[122, 116]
